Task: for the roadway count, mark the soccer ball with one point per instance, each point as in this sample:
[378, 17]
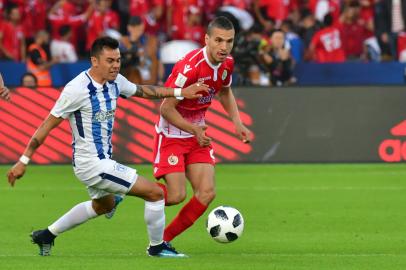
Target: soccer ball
[225, 224]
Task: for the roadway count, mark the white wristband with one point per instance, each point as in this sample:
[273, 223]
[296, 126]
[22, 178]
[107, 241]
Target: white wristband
[24, 160]
[177, 92]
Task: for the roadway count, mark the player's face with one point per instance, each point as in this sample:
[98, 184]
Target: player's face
[107, 64]
[219, 44]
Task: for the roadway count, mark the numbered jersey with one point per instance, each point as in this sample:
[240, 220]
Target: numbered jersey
[195, 67]
[328, 45]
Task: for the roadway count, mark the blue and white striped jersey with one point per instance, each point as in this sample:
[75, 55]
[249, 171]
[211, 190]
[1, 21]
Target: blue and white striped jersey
[90, 108]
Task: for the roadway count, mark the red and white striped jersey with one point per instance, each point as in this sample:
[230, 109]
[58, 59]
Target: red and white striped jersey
[195, 67]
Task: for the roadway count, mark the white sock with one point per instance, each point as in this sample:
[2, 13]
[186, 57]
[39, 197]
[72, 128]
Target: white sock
[154, 216]
[79, 214]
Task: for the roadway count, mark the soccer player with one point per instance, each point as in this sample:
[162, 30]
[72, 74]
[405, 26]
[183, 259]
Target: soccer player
[4, 92]
[89, 101]
[182, 149]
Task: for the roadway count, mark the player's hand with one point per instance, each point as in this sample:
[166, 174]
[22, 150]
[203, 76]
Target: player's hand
[200, 134]
[195, 90]
[16, 172]
[243, 133]
[5, 93]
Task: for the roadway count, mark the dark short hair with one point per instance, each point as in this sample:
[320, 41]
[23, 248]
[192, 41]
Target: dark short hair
[135, 20]
[220, 22]
[64, 29]
[29, 74]
[100, 43]
[328, 20]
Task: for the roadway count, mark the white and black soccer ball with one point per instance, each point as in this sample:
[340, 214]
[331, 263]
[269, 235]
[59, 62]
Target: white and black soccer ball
[225, 224]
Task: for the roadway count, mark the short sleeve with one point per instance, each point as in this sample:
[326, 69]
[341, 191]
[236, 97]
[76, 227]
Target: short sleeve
[176, 78]
[68, 102]
[126, 88]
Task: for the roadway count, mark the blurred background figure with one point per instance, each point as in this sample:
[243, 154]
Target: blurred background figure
[12, 41]
[326, 45]
[246, 50]
[29, 80]
[62, 48]
[353, 31]
[140, 62]
[278, 60]
[390, 21]
[194, 29]
[102, 19]
[38, 61]
[76, 14]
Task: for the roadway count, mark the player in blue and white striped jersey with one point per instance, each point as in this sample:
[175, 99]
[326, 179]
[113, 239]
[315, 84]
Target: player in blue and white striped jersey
[89, 102]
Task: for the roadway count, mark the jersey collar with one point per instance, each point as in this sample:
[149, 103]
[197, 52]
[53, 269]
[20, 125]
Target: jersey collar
[215, 67]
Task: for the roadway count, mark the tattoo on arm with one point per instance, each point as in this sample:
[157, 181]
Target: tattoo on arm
[150, 91]
[34, 143]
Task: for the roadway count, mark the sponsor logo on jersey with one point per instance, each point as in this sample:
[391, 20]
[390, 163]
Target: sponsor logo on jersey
[180, 80]
[204, 79]
[173, 160]
[224, 75]
[186, 69]
[208, 98]
[102, 116]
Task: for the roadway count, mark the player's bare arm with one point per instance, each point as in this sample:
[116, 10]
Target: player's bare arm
[4, 91]
[18, 170]
[154, 92]
[169, 112]
[229, 104]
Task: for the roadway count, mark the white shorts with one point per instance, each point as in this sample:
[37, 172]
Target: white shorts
[107, 177]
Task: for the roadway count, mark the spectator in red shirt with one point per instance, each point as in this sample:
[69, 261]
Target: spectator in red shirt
[102, 19]
[176, 16]
[326, 45]
[277, 10]
[151, 11]
[352, 31]
[193, 29]
[12, 41]
[35, 15]
[65, 13]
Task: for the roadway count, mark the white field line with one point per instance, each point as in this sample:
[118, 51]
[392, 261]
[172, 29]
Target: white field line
[258, 188]
[107, 255]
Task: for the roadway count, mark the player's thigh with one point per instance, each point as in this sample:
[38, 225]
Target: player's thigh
[201, 177]
[145, 189]
[111, 178]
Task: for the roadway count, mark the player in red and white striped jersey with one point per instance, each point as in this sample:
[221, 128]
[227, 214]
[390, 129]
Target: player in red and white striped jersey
[183, 151]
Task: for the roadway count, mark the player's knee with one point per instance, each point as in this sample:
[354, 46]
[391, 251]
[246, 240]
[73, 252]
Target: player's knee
[101, 209]
[155, 194]
[175, 197]
[206, 196]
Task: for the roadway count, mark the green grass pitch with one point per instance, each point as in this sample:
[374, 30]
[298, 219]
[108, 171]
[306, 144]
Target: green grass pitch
[296, 217]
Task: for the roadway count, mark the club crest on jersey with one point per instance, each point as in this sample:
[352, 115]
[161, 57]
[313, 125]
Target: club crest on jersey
[173, 160]
[224, 75]
[120, 168]
[102, 116]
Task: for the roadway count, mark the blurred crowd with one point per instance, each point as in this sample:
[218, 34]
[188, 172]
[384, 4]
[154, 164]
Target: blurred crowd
[272, 35]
